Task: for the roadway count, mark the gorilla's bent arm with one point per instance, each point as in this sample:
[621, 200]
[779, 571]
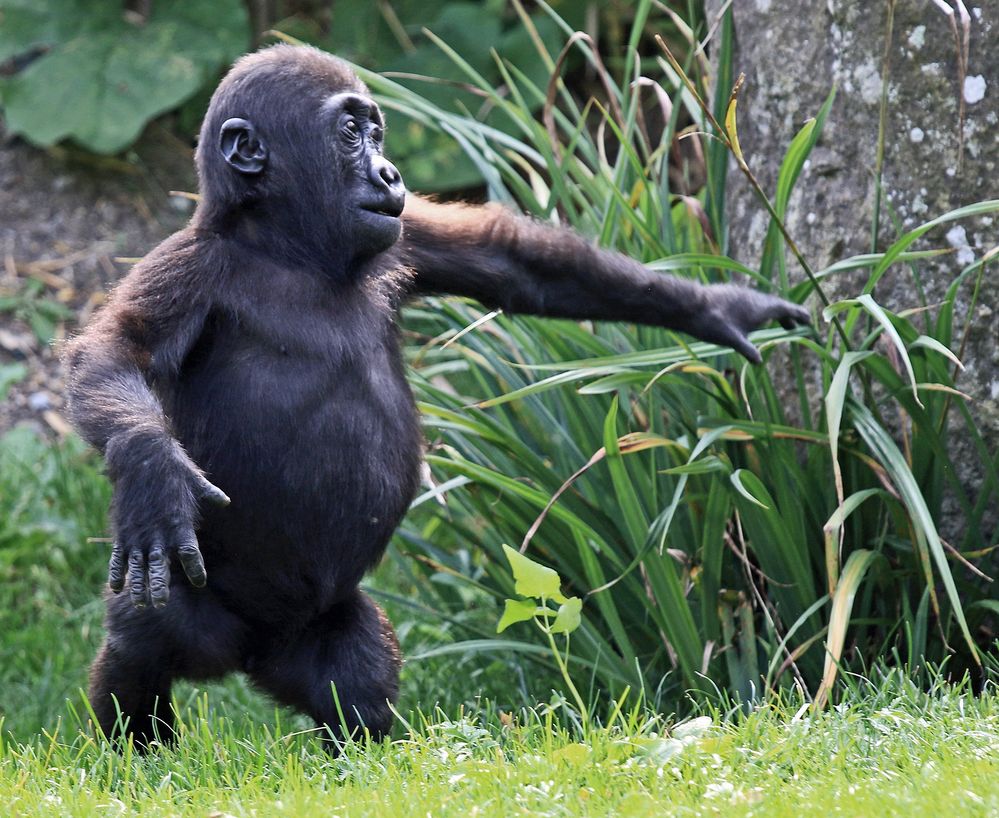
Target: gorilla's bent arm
[522, 266]
[142, 339]
[150, 325]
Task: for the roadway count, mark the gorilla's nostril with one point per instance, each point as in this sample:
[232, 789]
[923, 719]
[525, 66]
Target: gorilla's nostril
[384, 174]
[390, 176]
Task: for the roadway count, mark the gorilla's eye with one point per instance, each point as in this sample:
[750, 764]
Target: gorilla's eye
[378, 134]
[350, 129]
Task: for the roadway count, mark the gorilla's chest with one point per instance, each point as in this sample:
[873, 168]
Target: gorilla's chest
[307, 422]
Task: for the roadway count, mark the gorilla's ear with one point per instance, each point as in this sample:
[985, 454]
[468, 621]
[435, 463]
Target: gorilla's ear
[241, 147]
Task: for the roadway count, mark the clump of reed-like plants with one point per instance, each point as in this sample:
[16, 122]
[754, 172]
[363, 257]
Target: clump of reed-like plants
[726, 530]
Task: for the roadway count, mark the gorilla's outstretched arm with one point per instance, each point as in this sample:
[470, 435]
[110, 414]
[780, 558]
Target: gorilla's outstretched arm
[519, 265]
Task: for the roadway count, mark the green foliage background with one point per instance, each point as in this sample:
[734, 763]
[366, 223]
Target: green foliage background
[104, 74]
[95, 73]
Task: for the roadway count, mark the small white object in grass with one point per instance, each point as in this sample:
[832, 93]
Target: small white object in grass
[974, 89]
[957, 238]
[40, 401]
[694, 728]
[917, 37]
[916, 134]
[182, 204]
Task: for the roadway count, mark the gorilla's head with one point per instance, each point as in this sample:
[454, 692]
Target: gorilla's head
[290, 159]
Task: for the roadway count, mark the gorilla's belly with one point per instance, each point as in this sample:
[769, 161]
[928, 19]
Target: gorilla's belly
[320, 462]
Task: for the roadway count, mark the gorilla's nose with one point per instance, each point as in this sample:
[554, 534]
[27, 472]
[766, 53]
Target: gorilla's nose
[385, 176]
[387, 182]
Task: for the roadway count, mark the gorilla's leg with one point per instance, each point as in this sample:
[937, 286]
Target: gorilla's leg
[130, 678]
[351, 648]
[147, 649]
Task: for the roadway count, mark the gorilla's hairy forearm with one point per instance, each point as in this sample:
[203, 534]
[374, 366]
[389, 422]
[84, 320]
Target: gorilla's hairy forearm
[522, 266]
[527, 267]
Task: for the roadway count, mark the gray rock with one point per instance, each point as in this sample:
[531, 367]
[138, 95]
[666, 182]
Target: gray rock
[39, 401]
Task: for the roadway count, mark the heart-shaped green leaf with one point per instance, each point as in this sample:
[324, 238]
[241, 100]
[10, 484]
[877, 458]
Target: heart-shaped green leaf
[516, 610]
[567, 619]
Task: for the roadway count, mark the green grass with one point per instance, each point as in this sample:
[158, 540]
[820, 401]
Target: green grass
[888, 749]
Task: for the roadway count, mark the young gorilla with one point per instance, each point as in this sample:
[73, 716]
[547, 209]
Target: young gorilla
[258, 348]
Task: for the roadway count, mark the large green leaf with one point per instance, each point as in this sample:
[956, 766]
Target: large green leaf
[26, 25]
[106, 74]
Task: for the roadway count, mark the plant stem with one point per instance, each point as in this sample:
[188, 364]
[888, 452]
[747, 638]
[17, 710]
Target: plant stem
[564, 670]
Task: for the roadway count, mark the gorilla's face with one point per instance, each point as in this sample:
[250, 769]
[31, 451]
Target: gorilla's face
[302, 166]
[372, 194]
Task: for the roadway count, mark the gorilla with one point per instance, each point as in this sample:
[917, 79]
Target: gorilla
[245, 386]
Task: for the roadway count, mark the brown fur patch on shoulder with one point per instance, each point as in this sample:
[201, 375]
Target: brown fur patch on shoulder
[389, 287]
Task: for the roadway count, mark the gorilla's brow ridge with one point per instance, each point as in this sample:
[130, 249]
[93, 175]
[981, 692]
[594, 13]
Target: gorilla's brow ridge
[354, 103]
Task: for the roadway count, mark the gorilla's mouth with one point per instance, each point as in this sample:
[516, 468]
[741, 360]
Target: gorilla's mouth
[390, 208]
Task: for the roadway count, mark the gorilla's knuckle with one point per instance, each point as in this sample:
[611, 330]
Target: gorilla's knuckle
[188, 551]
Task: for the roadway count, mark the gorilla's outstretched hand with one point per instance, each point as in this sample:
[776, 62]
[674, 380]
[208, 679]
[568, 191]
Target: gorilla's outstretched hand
[732, 312]
[157, 491]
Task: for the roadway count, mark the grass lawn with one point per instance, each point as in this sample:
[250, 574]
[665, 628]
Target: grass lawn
[889, 750]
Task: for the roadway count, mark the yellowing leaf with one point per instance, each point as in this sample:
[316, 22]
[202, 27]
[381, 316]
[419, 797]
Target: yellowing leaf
[846, 589]
[532, 578]
[731, 130]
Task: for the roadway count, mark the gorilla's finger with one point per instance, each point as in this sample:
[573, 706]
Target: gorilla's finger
[190, 558]
[137, 587]
[117, 568]
[212, 493]
[159, 574]
[742, 345]
[792, 314]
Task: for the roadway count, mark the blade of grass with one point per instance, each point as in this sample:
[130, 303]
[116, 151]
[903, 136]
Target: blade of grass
[839, 619]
